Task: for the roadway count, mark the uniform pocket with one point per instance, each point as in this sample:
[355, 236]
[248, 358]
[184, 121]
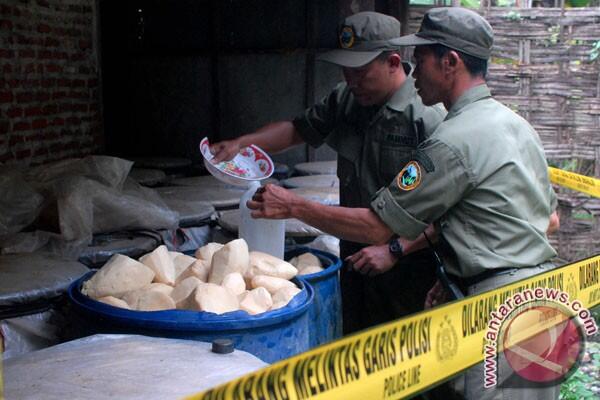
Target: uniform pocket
[392, 159]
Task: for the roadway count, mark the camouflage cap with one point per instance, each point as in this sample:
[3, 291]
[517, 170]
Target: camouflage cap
[454, 27]
[362, 37]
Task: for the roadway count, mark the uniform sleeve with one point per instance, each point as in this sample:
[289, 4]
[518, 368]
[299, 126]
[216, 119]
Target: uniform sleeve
[427, 187]
[431, 118]
[319, 120]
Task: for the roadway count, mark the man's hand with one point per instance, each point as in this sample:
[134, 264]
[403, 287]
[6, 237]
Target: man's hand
[225, 150]
[372, 260]
[436, 295]
[273, 202]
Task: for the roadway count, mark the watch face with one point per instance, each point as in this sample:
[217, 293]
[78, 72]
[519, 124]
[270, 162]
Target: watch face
[395, 247]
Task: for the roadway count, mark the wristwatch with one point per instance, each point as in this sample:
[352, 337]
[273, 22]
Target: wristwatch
[395, 247]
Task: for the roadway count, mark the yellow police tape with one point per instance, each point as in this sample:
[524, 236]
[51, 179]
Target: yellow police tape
[570, 180]
[404, 357]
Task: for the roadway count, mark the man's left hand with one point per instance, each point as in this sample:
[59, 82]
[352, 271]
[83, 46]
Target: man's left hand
[372, 260]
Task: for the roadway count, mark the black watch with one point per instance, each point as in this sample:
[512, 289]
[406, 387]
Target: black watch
[395, 247]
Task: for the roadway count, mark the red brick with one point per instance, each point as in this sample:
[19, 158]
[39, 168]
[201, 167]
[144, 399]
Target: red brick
[85, 44]
[6, 97]
[40, 151]
[23, 154]
[24, 40]
[73, 121]
[43, 3]
[5, 24]
[33, 111]
[5, 53]
[84, 70]
[30, 83]
[39, 124]
[75, 8]
[78, 95]
[45, 54]
[43, 28]
[60, 55]
[21, 126]
[16, 12]
[78, 56]
[62, 82]
[42, 96]
[25, 97]
[40, 68]
[65, 107]
[5, 10]
[27, 53]
[15, 112]
[4, 127]
[51, 42]
[46, 83]
[16, 139]
[29, 68]
[5, 157]
[77, 83]
[58, 121]
[54, 68]
[52, 136]
[93, 82]
[58, 95]
[50, 109]
[79, 107]
[7, 68]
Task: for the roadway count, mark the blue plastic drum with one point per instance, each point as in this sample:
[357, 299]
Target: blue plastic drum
[326, 310]
[270, 336]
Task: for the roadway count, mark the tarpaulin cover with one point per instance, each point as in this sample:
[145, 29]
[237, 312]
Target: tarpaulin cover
[122, 367]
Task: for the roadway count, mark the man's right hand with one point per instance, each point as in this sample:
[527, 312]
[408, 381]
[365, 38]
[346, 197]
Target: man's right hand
[225, 150]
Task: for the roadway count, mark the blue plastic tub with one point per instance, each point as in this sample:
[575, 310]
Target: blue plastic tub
[270, 336]
[326, 310]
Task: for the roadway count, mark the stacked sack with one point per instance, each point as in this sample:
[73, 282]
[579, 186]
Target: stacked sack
[219, 279]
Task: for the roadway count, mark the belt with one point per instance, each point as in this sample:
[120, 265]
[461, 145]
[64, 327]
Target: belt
[472, 280]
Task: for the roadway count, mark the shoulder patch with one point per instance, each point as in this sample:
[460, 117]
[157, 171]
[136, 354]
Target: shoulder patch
[423, 159]
[410, 176]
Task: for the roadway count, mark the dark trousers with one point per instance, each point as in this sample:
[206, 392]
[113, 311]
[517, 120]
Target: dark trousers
[369, 301]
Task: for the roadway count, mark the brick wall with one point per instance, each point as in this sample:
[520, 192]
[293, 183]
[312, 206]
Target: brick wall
[49, 89]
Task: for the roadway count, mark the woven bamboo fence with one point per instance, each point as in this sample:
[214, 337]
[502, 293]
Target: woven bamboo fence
[541, 68]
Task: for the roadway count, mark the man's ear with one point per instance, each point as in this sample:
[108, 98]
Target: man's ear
[394, 61]
[453, 58]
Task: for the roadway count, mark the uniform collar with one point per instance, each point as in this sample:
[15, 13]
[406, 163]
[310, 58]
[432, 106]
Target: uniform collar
[470, 96]
[403, 96]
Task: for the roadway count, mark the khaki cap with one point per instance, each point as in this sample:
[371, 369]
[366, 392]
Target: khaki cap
[363, 36]
[454, 27]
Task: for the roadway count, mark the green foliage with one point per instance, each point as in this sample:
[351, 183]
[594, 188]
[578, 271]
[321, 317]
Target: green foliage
[470, 3]
[574, 387]
[513, 16]
[595, 52]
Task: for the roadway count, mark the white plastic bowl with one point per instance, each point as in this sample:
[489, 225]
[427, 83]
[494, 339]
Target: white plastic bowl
[250, 164]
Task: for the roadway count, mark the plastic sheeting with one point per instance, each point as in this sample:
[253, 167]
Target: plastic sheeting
[230, 220]
[147, 176]
[132, 244]
[210, 181]
[326, 243]
[29, 287]
[31, 332]
[219, 197]
[311, 181]
[83, 197]
[161, 162]
[28, 278]
[191, 213]
[122, 367]
[316, 168]
[20, 203]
